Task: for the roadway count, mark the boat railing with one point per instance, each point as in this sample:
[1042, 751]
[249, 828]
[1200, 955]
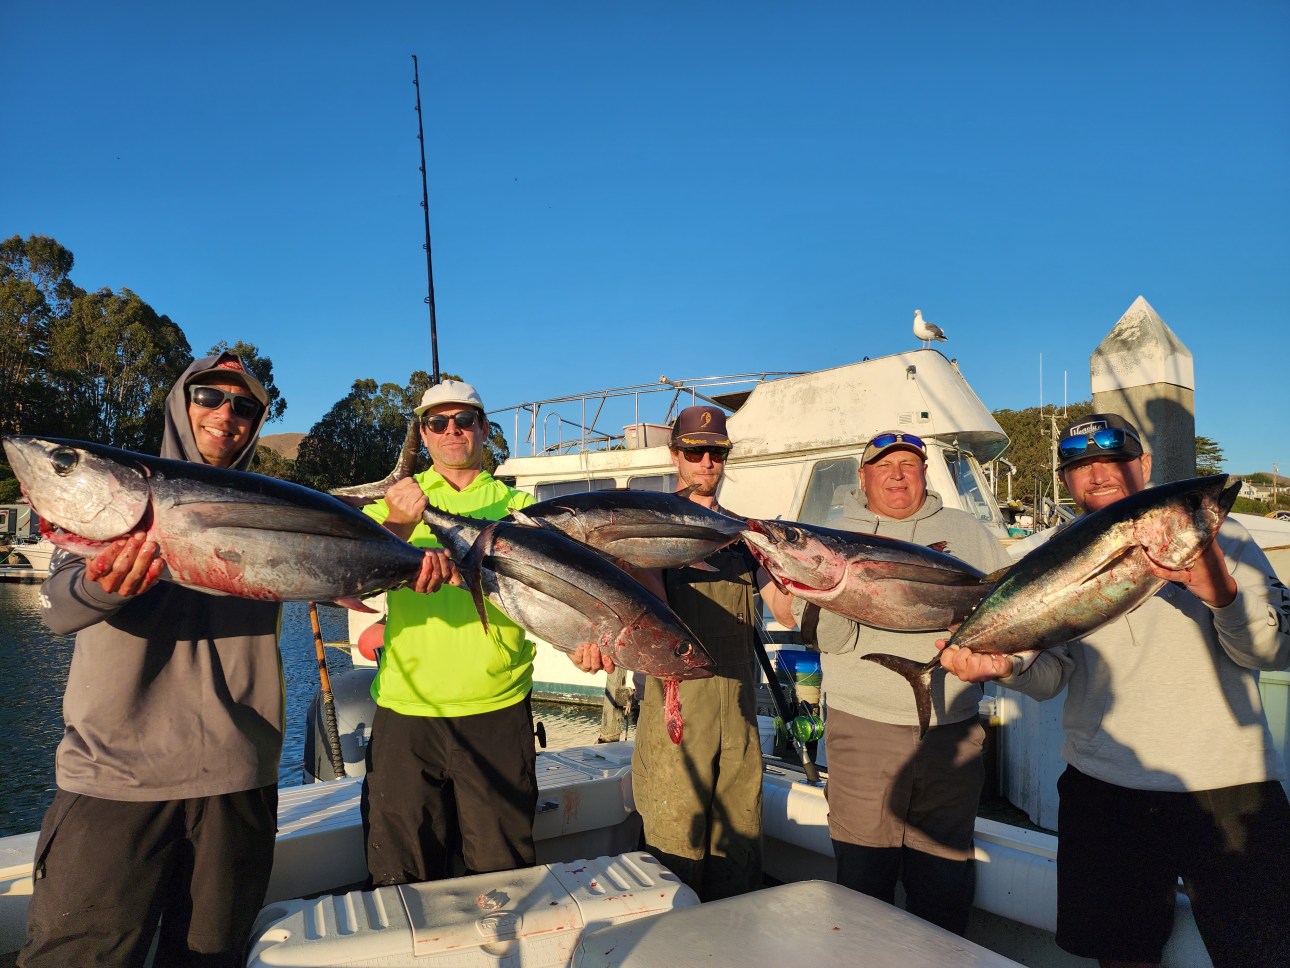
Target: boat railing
[628, 407]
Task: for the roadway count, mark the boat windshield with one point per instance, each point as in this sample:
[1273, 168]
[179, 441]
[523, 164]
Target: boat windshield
[968, 479]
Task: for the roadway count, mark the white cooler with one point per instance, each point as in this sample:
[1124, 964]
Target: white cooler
[532, 917]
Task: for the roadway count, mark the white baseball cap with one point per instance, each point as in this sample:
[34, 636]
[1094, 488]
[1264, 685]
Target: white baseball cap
[449, 391]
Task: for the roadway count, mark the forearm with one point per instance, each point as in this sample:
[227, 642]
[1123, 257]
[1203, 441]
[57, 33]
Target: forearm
[1254, 628]
[70, 602]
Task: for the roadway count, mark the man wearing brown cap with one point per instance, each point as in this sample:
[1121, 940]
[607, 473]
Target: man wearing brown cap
[450, 768]
[166, 806]
[700, 800]
[1171, 769]
[900, 809]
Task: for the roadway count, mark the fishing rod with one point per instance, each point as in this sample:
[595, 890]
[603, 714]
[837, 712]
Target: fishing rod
[329, 702]
[425, 208]
[781, 702]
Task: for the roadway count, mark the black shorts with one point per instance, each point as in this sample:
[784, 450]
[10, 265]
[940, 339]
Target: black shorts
[438, 787]
[1121, 852]
[107, 871]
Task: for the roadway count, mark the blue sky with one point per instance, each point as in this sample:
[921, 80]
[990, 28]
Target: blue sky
[620, 190]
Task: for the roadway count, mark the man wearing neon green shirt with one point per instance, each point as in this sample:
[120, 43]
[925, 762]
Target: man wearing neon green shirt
[450, 767]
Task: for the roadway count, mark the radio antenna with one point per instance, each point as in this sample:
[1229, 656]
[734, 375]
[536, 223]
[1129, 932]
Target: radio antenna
[425, 208]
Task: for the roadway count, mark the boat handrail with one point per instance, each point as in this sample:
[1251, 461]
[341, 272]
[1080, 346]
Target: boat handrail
[589, 437]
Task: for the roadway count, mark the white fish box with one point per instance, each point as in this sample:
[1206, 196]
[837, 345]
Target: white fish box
[812, 921]
[532, 917]
[641, 435]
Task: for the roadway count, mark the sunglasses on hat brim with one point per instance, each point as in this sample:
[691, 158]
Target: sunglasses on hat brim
[887, 440]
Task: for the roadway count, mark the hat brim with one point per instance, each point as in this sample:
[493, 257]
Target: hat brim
[701, 440]
[1118, 455]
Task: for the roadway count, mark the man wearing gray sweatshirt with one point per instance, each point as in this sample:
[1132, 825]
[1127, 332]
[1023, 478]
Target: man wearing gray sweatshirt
[901, 809]
[1172, 771]
[167, 772]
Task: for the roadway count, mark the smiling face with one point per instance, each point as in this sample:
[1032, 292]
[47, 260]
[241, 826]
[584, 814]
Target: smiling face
[1096, 483]
[220, 434]
[895, 484]
[455, 449]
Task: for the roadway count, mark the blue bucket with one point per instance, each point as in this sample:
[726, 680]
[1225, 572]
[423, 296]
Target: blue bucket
[800, 666]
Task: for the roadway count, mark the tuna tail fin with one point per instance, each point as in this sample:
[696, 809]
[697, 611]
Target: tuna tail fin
[919, 676]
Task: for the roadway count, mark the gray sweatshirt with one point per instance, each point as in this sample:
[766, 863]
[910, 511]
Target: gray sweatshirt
[866, 689]
[174, 693]
[1167, 697]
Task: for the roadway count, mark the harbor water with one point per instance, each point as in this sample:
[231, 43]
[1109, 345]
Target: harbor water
[35, 673]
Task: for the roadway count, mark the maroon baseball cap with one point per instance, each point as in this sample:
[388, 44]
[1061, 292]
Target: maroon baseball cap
[703, 426]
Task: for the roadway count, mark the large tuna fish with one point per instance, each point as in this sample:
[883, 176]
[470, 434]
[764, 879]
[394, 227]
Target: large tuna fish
[219, 530]
[1086, 575]
[877, 581]
[647, 529]
[567, 594]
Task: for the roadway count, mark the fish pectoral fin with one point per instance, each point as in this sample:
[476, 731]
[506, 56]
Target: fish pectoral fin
[922, 574]
[610, 533]
[553, 586]
[1108, 563]
[519, 517]
[272, 517]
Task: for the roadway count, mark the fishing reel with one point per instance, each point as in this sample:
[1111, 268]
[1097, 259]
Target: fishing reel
[805, 727]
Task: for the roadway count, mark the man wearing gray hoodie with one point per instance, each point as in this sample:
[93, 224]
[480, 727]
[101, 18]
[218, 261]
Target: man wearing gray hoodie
[900, 809]
[165, 811]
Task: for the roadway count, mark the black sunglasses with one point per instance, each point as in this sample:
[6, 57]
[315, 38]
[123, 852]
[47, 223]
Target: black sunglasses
[464, 420]
[212, 398]
[695, 454]
[1108, 438]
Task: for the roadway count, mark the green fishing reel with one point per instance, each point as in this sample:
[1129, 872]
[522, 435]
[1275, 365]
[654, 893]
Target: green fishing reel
[805, 727]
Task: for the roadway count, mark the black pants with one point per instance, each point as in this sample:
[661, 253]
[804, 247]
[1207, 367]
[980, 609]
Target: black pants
[1120, 853]
[937, 889]
[438, 786]
[108, 871]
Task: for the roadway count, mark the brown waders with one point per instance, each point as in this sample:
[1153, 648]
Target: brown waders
[701, 801]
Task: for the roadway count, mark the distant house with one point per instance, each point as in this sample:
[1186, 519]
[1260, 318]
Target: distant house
[1256, 492]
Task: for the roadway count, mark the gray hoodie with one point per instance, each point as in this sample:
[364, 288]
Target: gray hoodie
[1167, 697]
[866, 689]
[175, 693]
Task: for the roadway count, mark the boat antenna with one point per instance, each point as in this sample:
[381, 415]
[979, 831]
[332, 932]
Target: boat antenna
[425, 209]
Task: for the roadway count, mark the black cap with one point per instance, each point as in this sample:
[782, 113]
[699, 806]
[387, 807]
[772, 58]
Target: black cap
[1126, 445]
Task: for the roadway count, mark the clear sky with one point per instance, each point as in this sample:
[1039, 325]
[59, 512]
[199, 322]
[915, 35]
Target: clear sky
[620, 190]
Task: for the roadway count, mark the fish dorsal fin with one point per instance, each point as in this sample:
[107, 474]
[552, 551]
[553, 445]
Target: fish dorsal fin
[268, 516]
[1109, 563]
[996, 576]
[941, 546]
[553, 586]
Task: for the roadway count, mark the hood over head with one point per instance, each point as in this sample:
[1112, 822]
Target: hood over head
[177, 440]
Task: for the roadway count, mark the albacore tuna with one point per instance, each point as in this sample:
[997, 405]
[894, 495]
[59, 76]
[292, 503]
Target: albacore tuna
[219, 530]
[872, 579]
[567, 594]
[647, 529]
[1088, 574]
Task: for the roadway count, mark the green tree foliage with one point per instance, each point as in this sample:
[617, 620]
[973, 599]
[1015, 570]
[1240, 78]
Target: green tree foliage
[359, 438]
[1030, 450]
[1209, 457]
[272, 464]
[34, 290]
[112, 360]
[262, 367]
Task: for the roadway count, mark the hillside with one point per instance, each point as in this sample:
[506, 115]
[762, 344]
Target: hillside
[284, 445]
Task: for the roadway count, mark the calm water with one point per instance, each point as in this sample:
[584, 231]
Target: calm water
[35, 671]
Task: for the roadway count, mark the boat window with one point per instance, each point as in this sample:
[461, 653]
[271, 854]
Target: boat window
[830, 480]
[552, 489]
[653, 482]
[967, 477]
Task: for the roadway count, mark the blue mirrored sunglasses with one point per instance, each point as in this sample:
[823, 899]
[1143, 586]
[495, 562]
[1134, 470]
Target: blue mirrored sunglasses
[1108, 438]
[886, 440]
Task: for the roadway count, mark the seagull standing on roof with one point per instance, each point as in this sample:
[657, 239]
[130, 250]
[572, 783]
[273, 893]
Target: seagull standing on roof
[926, 331]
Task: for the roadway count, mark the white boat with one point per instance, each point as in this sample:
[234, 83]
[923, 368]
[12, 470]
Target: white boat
[34, 553]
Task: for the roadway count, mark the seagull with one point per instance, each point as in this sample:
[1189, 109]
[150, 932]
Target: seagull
[926, 331]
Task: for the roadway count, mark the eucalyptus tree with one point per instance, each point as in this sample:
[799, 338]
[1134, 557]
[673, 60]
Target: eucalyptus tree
[35, 289]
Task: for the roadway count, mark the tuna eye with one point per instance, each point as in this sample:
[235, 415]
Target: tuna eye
[791, 534]
[64, 460]
[684, 649]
